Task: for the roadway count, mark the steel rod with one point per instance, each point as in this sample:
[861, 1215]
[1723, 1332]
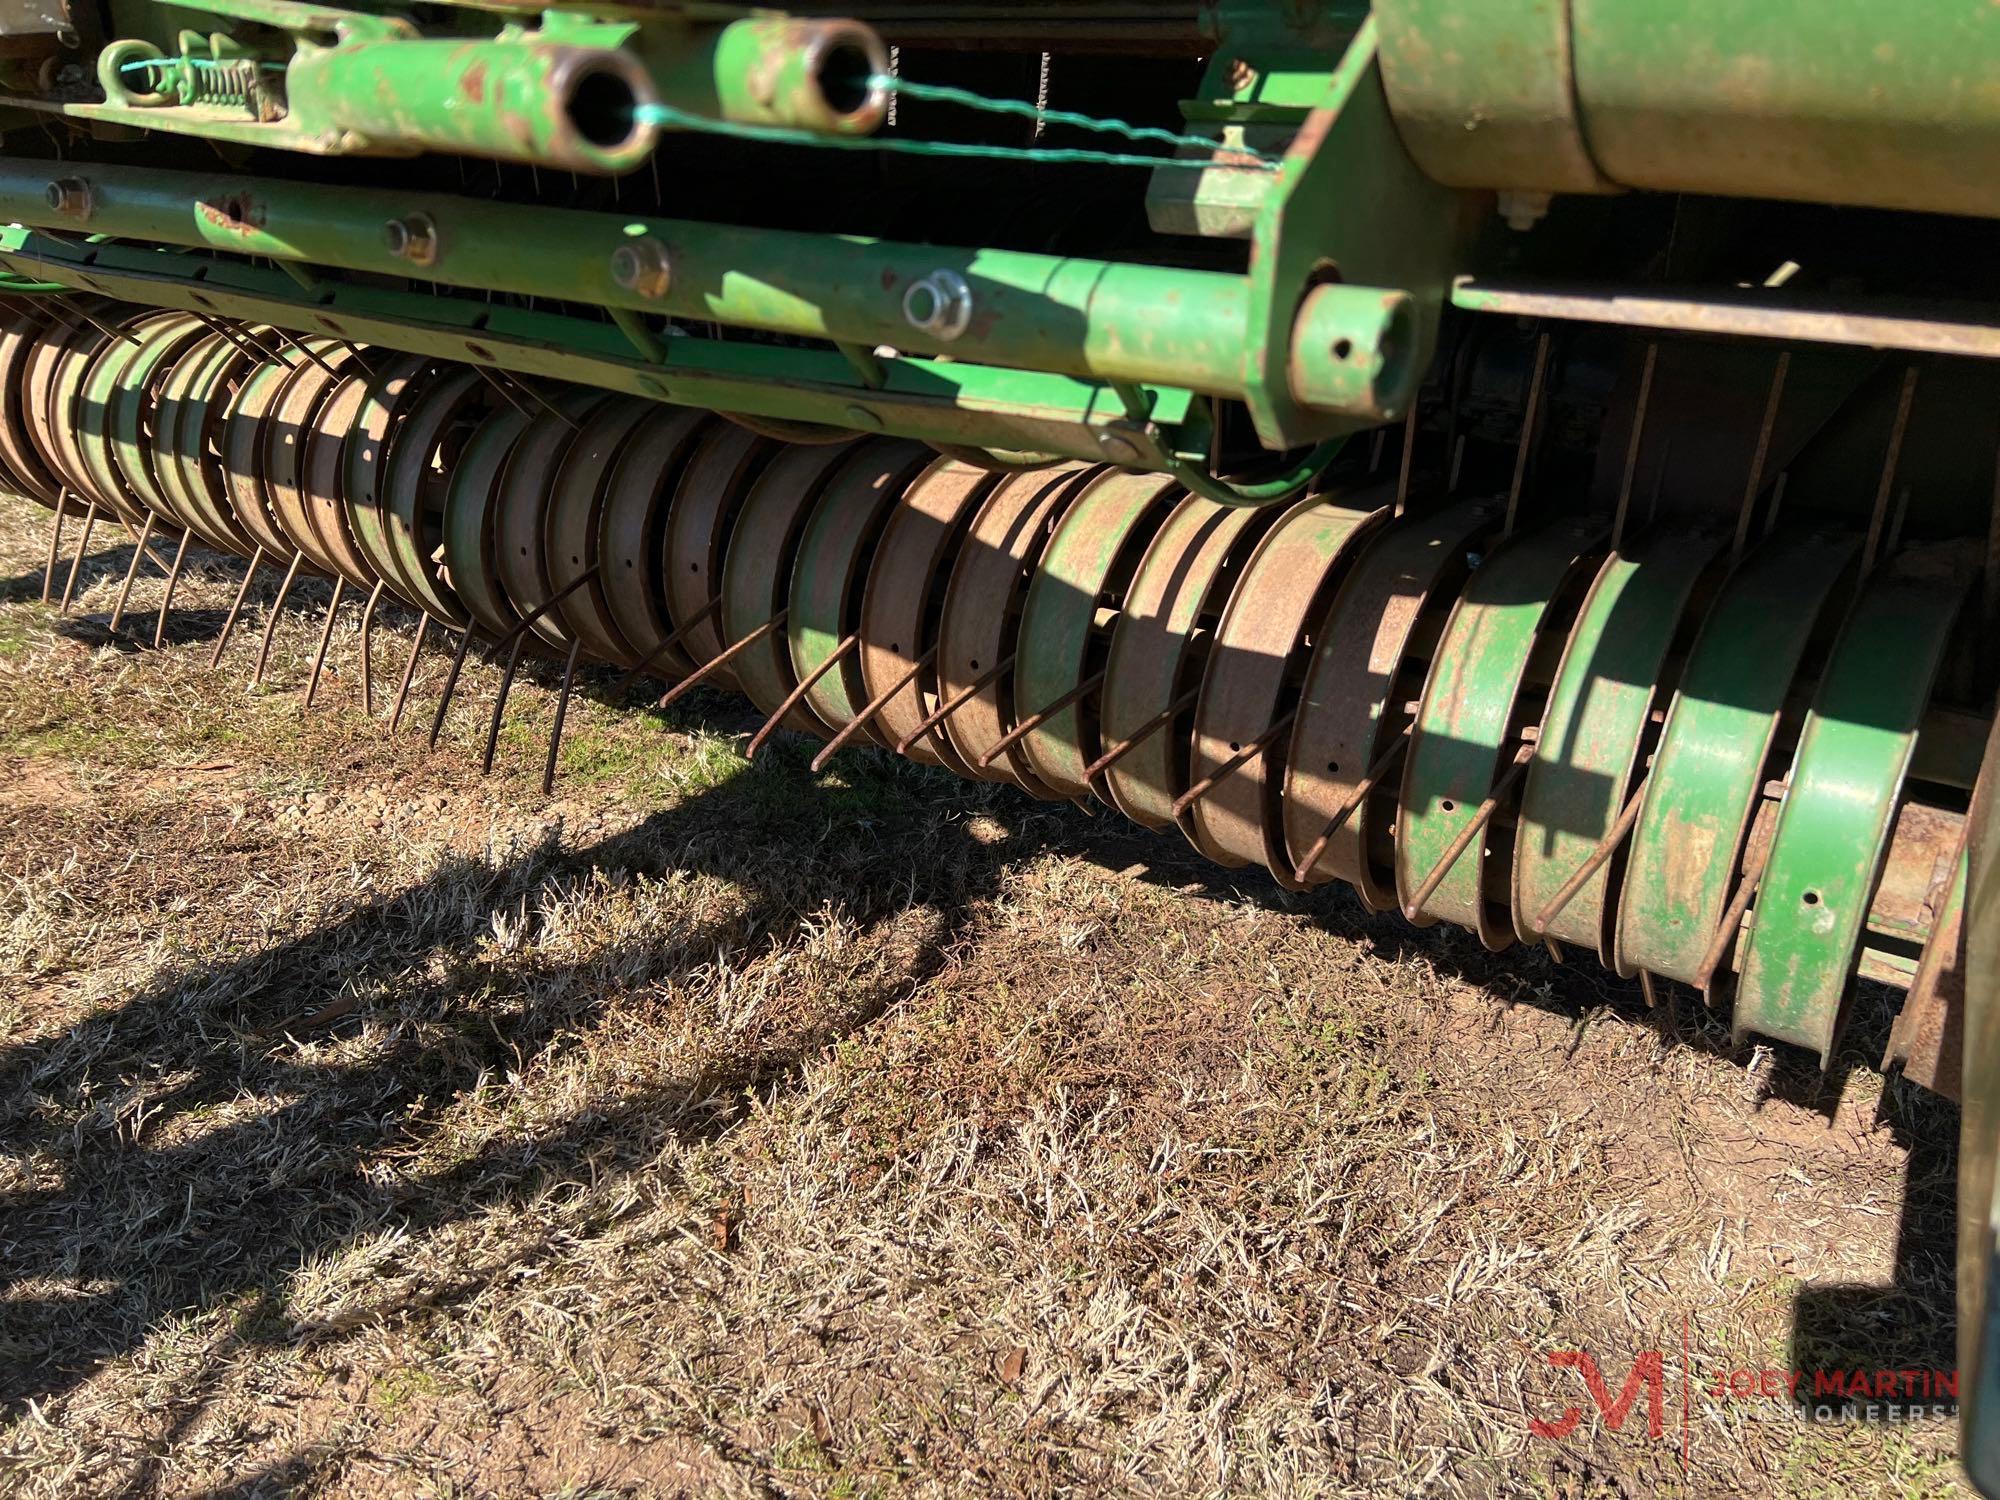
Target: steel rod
[873, 707]
[562, 713]
[1140, 735]
[1528, 424]
[729, 653]
[367, 657]
[1413, 908]
[271, 621]
[325, 640]
[1754, 485]
[527, 621]
[76, 563]
[173, 581]
[131, 572]
[1594, 861]
[500, 704]
[1632, 448]
[1040, 717]
[1234, 764]
[235, 608]
[450, 684]
[55, 551]
[793, 698]
[958, 700]
[653, 657]
[1357, 795]
[409, 673]
[1890, 459]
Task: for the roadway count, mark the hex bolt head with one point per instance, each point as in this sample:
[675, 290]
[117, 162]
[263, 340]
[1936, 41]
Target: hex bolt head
[939, 304]
[413, 238]
[1118, 448]
[643, 268]
[71, 196]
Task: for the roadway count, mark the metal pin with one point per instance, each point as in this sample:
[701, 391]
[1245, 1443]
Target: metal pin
[1231, 766]
[553, 410]
[958, 700]
[506, 394]
[653, 657]
[111, 333]
[1413, 908]
[271, 621]
[1140, 735]
[1528, 425]
[1631, 448]
[500, 703]
[235, 608]
[1754, 486]
[450, 683]
[1732, 917]
[303, 347]
[873, 707]
[793, 698]
[76, 563]
[527, 621]
[409, 672]
[173, 581]
[1040, 717]
[562, 713]
[1606, 847]
[1357, 795]
[132, 572]
[325, 640]
[367, 661]
[1404, 462]
[1889, 461]
[728, 654]
[55, 550]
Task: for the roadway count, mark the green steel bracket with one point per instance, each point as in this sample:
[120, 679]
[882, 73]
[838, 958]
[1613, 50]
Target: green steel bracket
[937, 401]
[1350, 210]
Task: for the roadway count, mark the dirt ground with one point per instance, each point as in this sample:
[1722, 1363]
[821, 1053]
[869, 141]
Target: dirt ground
[713, 1128]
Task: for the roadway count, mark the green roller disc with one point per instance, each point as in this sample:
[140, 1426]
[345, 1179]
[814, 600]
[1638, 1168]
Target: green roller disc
[1178, 592]
[831, 573]
[109, 416]
[1082, 574]
[1465, 720]
[1594, 727]
[757, 571]
[196, 394]
[470, 511]
[1708, 771]
[1840, 808]
[422, 452]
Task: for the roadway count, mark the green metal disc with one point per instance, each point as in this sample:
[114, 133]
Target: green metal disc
[1593, 728]
[1708, 770]
[195, 396]
[636, 497]
[470, 509]
[367, 408]
[112, 395]
[1080, 578]
[831, 573]
[1466, 719]
[422, 452]
[1157, 649]
[1840, 809]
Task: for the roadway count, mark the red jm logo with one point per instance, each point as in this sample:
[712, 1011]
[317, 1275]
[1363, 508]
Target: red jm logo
[1649, 1372]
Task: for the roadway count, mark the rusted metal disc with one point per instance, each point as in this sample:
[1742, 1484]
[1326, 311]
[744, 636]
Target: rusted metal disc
[636, 496]
[21, 330]
[1073, 601]
[832, 568]
[574, 526]
[1469, 729]
[423, 449]
[471, 520]
[379, 403]
[1361, 674]
[520, 552]
[982, 613]
[306, 390]
[323, 469]
[903, 602]
[245, 431]
[187, 458]
[1158, 645]
[1251, 678]
[55, 374]
[131, 407]
[757, 572]
[713, 485]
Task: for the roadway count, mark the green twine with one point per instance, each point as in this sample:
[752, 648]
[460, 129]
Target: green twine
[195, 62]
[965, 98]
[667, 114]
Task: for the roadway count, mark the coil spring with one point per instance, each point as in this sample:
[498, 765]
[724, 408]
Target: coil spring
[1533, 735]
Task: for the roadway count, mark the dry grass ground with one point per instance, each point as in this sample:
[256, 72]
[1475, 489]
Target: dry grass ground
[368, 1127]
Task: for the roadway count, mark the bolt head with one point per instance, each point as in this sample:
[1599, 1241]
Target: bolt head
[414, 238]
[70, 196]
[643, 268]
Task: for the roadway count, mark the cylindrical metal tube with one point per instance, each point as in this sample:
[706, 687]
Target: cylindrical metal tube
[1828, 101]
[548, 103]
[1100, 319]
[774, 70]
